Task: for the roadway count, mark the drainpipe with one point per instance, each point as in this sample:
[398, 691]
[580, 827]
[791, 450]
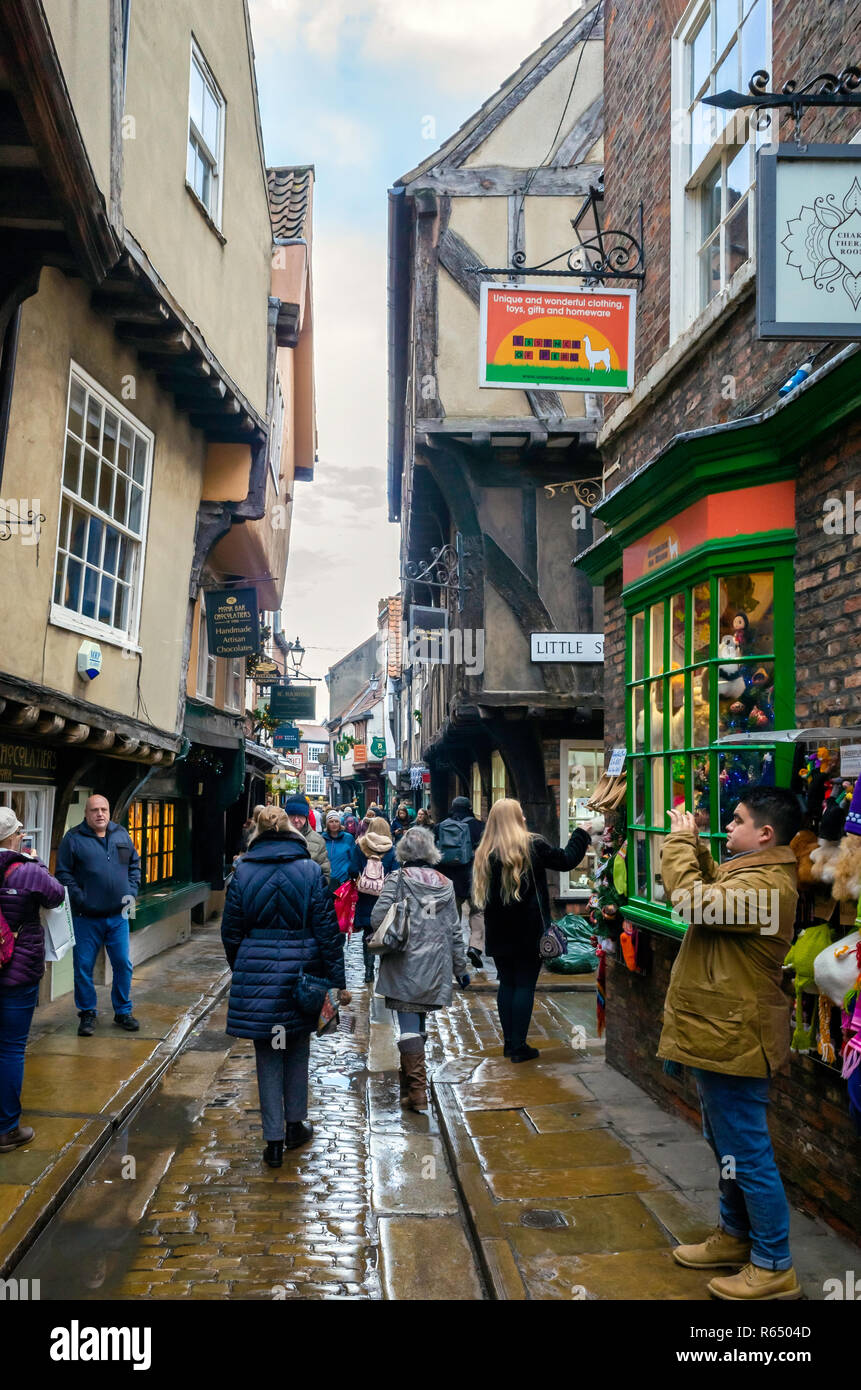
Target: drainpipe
[7, 379]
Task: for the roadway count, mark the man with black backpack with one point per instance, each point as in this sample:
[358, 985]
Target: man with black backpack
[457, 838]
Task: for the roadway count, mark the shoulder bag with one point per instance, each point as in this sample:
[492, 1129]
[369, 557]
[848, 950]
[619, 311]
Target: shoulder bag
[7, 936]
[310, 992]
[393, 933]
[553, 942]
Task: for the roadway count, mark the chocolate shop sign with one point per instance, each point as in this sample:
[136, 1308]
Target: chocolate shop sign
[231, 623]
[27, 762]
[809, 241]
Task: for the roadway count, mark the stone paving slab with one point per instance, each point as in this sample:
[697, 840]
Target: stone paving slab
[576, 1185]
[79, 1091]
[428, 1260]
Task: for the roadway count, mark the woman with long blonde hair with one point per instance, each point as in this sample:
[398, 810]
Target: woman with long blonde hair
[509, 880]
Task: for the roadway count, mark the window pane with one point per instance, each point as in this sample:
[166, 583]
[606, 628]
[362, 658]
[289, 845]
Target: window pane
[656, 850]
[727, 75]
[677, 651]
[737, 177]
[656, 716]
[76, 408]
[702, 622]
[702, 790]
[112, 545]
[656, 639]
[73, 585]
[637, 627]
[737, 240]
[121, 607]
[124, 568]
[94, 541]
[703, 133]
[726, 23]
[679, 790]
[191, 162]
[109, 436]
[638, 716]
[89, 481]
[637, 774]
[701, 57]
[106, 478]
[639, 876]
[700, 699]
[65, 521]
[135, 509]
[196, 95]
[710, 272]
[77, 538]
[94, 422]
[124, 456]
[747, 611]
[106, 600]
[678, 738]
[59, 577]
[119, 512]
[91, 590]
[205, 186]
[72, 464]
[209, 129]
[139, 470]
[753, 47]
[710, 202]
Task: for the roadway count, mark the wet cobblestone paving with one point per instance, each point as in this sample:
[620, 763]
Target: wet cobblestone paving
[197, 1214]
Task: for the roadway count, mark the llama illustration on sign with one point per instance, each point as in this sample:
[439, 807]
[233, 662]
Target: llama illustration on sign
[594, 357]
[824, 243]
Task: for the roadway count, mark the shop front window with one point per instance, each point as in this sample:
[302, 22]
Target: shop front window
[706, 660]
[34, 807]
[581, 766]
[152, 826]
[497, 777]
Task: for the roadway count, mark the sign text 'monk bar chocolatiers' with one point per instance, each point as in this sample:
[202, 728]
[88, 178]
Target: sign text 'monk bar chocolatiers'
[231, 623]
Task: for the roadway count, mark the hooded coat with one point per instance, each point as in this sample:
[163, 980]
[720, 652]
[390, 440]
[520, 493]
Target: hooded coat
[461, 874]
[419, 978]
[278, 918]
[22, 893]
[725, 1009]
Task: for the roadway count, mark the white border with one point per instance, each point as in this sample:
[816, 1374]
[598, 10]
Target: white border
[64, 617]
[585, 388]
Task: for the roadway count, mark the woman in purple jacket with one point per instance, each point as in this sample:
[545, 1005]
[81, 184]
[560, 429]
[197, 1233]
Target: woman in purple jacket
[25, 886]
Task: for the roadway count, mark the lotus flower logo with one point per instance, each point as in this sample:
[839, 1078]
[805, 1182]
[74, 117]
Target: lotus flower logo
[824, 243]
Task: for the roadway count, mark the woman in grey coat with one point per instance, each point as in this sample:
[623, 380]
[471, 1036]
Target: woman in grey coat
[419, 978]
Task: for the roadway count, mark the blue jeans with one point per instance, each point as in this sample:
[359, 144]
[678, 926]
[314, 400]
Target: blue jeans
[17, 1006]
[752, 1202]
[91, 934]
[411, 1022]
[282, 1080]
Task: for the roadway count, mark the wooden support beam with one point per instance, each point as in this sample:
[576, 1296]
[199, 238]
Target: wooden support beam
[24, 717]
[27, 198]
[202, 388]
[126, 744]
[499, 181]
[101, 740]
[174, 342]
[76, 733]
[49, 726]
[130, 307]
[194, 368]
[226, 405]
[582, 136]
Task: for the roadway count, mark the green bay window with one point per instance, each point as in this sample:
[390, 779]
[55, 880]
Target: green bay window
[709, 652]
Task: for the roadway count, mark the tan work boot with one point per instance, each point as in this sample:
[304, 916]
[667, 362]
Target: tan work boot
[755, 1283]
[719, 1251]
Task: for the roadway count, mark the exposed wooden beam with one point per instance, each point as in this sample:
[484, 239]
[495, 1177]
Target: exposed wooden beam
[130, 308]
[184, 383]
[175, 342]
[584, 133]
[75, 733]
[192, 368]
[497, 425]
[227, 405]
[27, 198]
[498, 181]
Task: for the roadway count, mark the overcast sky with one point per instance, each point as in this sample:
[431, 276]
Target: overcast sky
[365, 90]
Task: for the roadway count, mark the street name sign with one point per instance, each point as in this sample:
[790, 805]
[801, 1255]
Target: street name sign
[567, 646]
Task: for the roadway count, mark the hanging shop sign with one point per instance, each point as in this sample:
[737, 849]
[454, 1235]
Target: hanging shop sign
[568, 340]
[294, 761]
[360, 753]
[427, 638]
[617, 762]
[378, 747]
[808, 252]
[232, 626]
[719, 516]
[567, 646]
[286, 736]
[265, 672]
[293, 702]
[850, 760]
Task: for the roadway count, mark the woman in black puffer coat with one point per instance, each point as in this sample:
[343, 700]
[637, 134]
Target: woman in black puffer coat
[277, 918]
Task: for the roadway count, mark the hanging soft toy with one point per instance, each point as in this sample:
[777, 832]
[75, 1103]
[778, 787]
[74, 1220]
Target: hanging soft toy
[800, 958]
[731, 683]
[830, 833]
[802, 845]
[845, 867]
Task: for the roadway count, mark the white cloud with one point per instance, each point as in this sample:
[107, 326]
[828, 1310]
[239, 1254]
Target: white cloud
[450, 41]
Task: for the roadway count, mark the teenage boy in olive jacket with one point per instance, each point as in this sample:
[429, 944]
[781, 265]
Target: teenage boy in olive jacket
[727, 1018]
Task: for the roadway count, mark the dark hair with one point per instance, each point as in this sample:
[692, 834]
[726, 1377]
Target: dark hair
[774, 806]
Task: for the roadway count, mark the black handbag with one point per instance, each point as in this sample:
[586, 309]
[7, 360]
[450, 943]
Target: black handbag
[552, 942]
[309, 991]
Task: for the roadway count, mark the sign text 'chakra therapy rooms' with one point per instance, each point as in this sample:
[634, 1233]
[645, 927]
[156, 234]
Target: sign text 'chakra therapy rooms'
[570, 340]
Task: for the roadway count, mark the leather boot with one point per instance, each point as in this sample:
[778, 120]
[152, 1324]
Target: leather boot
[412, 1050]
[754, 1283]
[403, 1084]
[14, 1138]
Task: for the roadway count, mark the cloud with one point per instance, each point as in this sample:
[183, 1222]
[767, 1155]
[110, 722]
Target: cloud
[448, 40]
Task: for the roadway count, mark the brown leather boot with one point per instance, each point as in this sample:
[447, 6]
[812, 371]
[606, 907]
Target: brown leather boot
[21, 1134]
[403, 1085]
[412, 1050]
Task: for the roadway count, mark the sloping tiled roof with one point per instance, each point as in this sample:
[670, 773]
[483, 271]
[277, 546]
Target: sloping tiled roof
[360, 706]
[289, 199]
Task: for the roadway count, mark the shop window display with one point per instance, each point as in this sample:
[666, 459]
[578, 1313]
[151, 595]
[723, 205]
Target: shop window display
[704, 661]
[581, 766]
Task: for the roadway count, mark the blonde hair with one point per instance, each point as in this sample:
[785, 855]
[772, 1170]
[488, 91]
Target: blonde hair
[272, 818]
[506, 837]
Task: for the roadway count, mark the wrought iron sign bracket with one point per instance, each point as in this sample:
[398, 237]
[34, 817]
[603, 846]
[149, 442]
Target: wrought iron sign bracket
[826, 89]
[600, 255]
[9, 519]
[444, 570]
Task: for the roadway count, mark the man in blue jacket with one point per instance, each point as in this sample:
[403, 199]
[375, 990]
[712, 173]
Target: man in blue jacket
[101, 868]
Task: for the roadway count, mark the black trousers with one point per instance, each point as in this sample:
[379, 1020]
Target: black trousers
[515, 998]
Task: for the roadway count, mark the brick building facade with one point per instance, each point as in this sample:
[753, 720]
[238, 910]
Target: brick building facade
[705, 440]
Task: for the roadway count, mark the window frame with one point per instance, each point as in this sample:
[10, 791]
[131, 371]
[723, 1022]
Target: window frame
[43, 794]
[217, 156]
[276, 435]
[211, 661]
[687, 184]
[713, 561]
[67, 618]
[233, 669]
[567, 746]
[140, 833]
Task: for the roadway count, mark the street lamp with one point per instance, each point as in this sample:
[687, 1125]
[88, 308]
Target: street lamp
[297, 653]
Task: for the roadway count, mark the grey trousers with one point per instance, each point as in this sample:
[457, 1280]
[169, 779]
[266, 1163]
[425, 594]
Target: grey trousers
[282, 1080]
